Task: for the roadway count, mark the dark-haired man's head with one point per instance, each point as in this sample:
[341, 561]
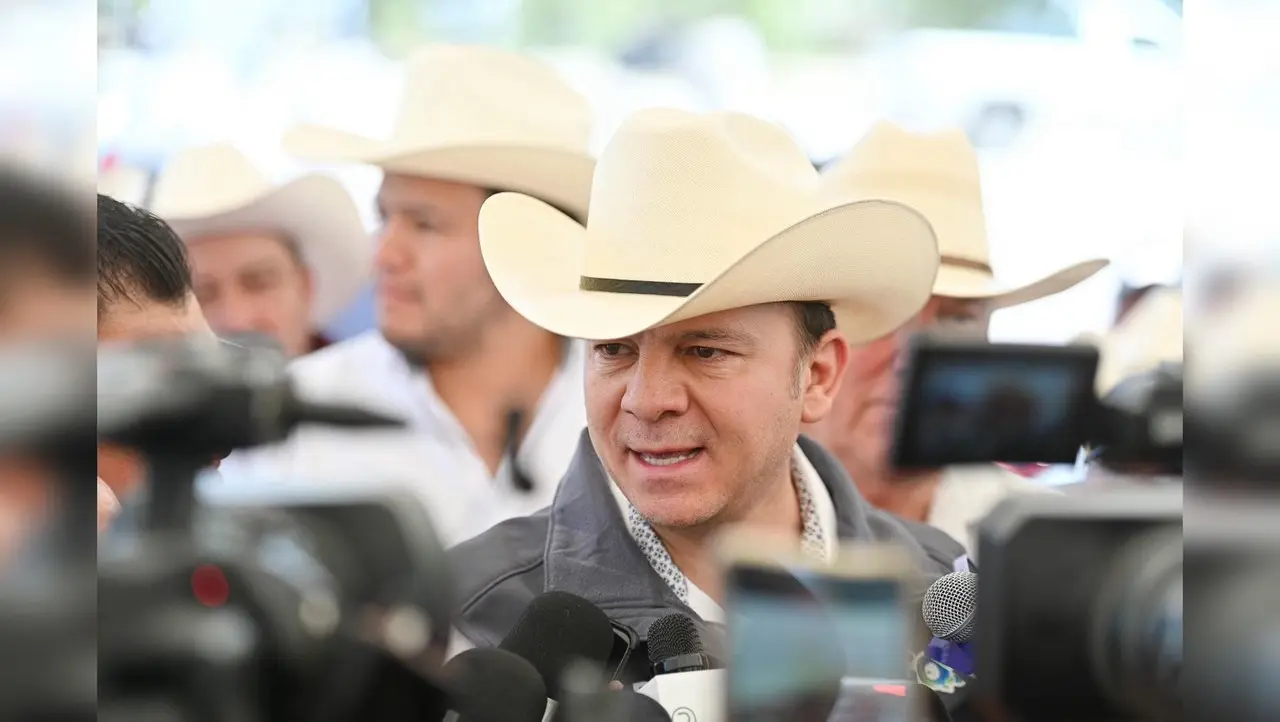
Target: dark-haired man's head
[144, 291]
[46, 260]
[144, 278]
[46, 292]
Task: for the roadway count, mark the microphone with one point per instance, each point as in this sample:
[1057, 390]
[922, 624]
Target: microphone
[674, 646]
[640, 708]
[950, 612]
[556, 629]
[494, 685]
[684, 683]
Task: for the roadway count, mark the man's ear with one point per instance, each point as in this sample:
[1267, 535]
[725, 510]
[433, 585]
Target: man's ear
[822, 375]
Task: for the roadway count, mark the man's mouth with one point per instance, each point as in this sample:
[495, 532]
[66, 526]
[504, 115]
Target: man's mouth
[667, 458]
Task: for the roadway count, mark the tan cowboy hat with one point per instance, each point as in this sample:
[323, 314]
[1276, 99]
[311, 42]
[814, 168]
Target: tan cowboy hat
[215, 189]
[481, 116]
[937, 173]
[1149, 336]
[698, 213]
[124, 183]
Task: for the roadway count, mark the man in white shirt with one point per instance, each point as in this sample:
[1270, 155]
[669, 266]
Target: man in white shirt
[937, 174]
[493, 403]
[721, 287]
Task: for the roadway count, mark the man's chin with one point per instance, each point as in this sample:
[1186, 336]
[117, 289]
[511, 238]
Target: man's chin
[669, 515]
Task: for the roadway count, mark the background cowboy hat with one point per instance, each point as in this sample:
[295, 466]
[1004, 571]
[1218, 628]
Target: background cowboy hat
[937, 174]
[697, 213]
[1149, 336]
[477, 115]
[215, 189]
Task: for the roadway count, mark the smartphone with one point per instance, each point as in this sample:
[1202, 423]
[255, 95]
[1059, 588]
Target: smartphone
[816, 643]
[970, 403]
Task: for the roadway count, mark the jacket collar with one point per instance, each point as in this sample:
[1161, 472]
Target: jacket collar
[590, 553]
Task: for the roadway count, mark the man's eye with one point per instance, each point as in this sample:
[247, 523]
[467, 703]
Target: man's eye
[609, 349]
[705, 353]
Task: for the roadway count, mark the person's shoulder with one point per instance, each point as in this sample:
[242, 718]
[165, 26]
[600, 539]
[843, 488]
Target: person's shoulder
[937, 550]
[496, 574]
[337, 361]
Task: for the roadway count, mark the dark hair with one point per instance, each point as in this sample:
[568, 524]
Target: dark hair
[490, 192]
[813, 320]
[140, 258]
[43, 224]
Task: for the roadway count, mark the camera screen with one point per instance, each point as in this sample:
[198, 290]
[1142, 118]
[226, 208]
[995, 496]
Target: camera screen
[807, 647]
[993, 403]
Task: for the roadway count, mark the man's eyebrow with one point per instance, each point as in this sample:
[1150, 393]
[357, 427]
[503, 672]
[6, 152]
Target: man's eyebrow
[720, 335]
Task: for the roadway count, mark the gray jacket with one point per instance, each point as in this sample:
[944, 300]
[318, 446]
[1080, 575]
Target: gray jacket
[580, 544]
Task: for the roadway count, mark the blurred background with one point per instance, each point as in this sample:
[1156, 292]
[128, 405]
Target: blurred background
[1075, 104]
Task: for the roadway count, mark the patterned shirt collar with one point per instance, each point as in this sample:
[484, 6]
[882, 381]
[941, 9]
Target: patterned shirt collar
[813, 537]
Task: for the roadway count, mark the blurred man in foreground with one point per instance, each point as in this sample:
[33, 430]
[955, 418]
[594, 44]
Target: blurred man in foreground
[493, 402]
[937, 174]
[721, 289]
[144, 291]
[276, 260]
[46, 294]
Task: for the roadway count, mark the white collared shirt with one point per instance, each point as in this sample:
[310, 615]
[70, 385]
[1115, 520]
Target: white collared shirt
[699, 601]
[434, 456]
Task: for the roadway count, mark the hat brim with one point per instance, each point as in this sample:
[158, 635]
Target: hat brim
[873, 261]
[966, 283]
[559, 176]
[319, 215]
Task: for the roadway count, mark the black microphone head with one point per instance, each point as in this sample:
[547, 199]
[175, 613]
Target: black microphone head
[642, 708]
[556, 629]
[494, 685]
[950, 606]
[674, 635]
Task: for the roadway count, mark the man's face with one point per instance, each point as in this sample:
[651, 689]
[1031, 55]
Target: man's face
[36, 306]
[694, 420]
[859, 428]
[125, 322]
[434, 294]
[254, 282]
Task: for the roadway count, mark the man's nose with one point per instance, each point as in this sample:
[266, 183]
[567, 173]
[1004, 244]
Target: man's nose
[654, 390]
[234, 313]
[392, 244]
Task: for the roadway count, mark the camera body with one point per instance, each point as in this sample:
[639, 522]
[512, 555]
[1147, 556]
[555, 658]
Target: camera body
[1079, 606]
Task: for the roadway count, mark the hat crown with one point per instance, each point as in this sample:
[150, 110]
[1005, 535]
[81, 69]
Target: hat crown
[206, 179]
[727, 180]
[472, 95]
[935, 173]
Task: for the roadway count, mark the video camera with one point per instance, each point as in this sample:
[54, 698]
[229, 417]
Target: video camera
[270, 602]
[1079, 605]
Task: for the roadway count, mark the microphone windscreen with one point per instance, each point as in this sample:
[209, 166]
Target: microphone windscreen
[556, 629]
[949, 606]
[642, 708]
[672, 636]
[493, 685]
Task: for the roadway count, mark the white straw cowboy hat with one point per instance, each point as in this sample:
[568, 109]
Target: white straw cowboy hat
[937, 174]
[693, 214]
[1149, 336]
[477, 115]
[215, 189]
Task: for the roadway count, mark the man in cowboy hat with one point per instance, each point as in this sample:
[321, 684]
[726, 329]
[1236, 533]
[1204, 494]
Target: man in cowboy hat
[493, 402]
[274, 260]
[720, 288]
[938, 175]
